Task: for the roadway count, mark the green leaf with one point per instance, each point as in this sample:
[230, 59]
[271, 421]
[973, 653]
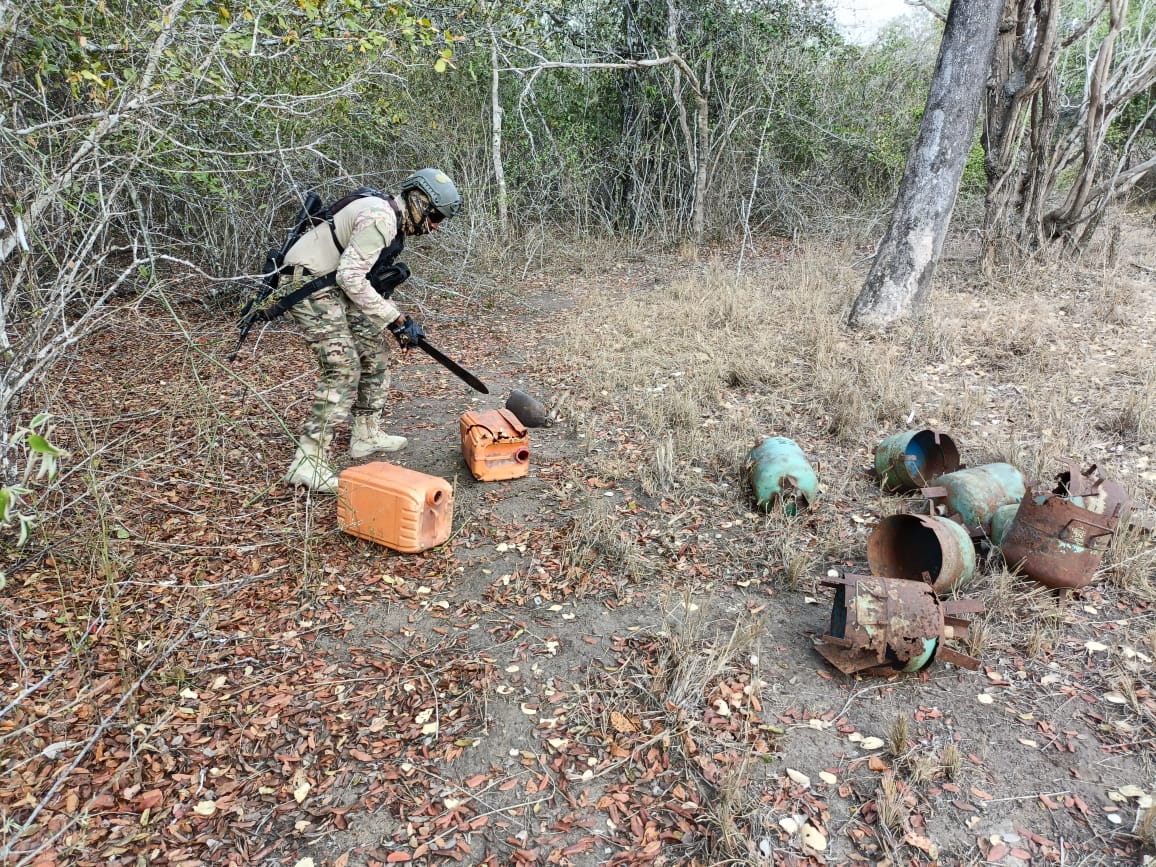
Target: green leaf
[42, 446]
[39, 420]
[48, 467]
[440, 66]
[5, 502]
[26, 522]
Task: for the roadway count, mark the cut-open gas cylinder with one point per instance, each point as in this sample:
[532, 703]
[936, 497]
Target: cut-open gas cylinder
[927, 548]
[1058, 538]
[884, 625]
[909, 460]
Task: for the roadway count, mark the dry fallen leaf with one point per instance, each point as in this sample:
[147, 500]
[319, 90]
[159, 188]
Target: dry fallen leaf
[828, 778]
[871, 743]
[812, 837]
[301, 792]
[621, 723]
[799, 777]
[984, 698]
[924, 843]
[304, 862]
[205, 808]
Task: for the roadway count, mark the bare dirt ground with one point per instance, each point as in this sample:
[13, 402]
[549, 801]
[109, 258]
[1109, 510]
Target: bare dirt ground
[611, 661]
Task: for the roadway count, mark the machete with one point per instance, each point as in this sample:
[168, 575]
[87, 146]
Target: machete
[453, 367]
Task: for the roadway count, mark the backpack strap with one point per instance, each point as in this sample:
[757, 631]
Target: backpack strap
[359, 193]
[384, 259]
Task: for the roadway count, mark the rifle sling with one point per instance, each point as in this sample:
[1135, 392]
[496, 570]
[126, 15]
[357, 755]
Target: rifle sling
[299, 294]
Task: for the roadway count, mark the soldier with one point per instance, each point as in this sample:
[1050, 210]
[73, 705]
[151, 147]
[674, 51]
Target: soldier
[344, 323]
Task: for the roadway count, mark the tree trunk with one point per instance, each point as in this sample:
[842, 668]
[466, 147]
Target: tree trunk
[496, 115]
[905, 263]
[1023, 62]
[633, 109]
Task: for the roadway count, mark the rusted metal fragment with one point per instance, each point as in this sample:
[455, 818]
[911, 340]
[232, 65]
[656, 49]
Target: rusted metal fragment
[882, 625]
[908, 460]
[975, 493]
[1090, 490]
[914, 546]
[1059, 537]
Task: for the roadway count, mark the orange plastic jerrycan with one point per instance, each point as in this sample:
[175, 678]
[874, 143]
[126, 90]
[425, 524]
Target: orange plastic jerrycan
[495, 445]
[401, 509]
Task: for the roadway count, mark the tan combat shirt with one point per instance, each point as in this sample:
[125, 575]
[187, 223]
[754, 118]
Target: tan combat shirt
[366, 227]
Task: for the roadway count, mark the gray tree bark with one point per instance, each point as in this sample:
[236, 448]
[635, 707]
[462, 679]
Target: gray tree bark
[496, 115]
[900, 276]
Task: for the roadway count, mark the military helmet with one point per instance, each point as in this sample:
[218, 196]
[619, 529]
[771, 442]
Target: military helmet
[436, 184]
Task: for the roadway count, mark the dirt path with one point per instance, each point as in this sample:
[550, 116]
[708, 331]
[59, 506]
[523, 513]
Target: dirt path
[612, 660]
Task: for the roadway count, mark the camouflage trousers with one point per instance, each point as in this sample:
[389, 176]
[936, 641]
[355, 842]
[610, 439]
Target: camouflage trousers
[350, 353]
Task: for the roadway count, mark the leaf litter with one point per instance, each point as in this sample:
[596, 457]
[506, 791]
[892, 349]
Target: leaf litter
[217, 697]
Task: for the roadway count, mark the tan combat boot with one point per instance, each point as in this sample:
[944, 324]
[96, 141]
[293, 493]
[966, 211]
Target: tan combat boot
[311, 467]
[368, 437]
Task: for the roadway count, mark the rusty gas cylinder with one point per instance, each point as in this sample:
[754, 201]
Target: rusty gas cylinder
[1056, 542]
[881, 625]
[922, 548]
[975, 493]
[909, 460]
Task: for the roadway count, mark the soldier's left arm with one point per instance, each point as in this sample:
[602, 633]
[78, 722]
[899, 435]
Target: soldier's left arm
[373, 231]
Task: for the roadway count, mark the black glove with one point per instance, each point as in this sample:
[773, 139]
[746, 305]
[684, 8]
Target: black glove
[407, 332]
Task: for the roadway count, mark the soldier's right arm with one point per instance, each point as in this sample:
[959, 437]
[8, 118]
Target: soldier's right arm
[373, 231]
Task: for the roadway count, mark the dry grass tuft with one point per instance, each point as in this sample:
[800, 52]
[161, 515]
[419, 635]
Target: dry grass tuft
[1146, 828]
[899, 736]
[1130, 562]
[890, 804]
[695, 651]
[923, 767]
[592, 537]
[951, 760]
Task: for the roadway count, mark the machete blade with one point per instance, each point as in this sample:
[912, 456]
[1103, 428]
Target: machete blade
[453, 367]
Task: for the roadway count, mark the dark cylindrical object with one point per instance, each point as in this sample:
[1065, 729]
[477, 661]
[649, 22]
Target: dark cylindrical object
[529, 411]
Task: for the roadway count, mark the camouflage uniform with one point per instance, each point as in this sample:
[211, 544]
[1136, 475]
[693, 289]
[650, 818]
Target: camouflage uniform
[344, 325]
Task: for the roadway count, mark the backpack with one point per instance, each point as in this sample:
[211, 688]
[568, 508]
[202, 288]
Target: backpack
[263, 305]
